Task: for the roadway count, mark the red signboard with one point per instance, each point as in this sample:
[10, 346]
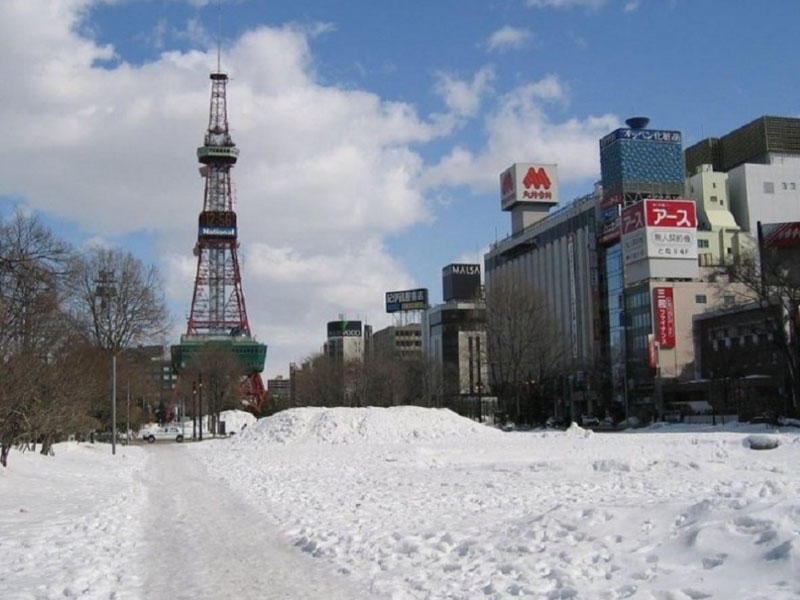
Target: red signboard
[664, 309]
[780, 235]
[633, 218]
[670, 213]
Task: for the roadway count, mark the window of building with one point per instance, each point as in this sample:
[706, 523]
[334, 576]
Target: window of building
[714, 184]
[714, 199]
[785, 185]
[728, 301]
[792, 185]
[702, 243]
[700, 299]
[769, 187]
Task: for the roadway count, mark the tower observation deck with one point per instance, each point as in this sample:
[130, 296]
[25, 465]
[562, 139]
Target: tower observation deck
[218, 316]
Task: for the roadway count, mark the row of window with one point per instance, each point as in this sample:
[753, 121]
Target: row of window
[769, 186]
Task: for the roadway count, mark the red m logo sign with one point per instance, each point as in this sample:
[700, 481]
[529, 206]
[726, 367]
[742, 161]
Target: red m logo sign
[536, 178]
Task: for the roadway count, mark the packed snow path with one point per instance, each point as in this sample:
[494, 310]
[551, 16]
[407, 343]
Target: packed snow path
[201, 541]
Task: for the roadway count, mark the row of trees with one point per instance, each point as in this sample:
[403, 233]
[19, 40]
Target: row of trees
[525, 355]
[63, 312]
[382, 380]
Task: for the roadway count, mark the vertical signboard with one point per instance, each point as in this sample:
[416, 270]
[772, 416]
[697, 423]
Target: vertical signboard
[634, 234]
[573, 307]
[664, 309]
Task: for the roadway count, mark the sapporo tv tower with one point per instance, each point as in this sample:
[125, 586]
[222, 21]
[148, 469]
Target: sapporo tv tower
[218, 316]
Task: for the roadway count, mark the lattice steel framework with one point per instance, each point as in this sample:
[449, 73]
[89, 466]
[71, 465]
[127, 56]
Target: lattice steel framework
[218, 306]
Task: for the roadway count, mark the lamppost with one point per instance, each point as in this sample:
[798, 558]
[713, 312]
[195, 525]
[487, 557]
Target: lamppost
[106, 289]
[200, 406]
[194, 410]
[479, 388]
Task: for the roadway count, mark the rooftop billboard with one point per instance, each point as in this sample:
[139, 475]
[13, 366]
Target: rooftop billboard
[407, 300]
[527, 183]
[337, 329]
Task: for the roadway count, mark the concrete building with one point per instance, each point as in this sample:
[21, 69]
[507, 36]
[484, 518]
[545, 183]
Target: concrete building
[280, 390]
[739, 361]
[762, 163]
[398, 341]
[347, 340]
[558, 255]
[454, 335]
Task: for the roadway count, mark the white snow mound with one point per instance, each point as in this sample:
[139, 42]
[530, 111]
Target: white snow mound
[342, 425]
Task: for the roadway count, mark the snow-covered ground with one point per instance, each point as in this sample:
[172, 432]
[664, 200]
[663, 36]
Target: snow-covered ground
[413, 503]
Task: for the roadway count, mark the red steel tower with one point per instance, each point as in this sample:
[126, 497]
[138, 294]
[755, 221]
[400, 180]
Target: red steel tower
[218, 315]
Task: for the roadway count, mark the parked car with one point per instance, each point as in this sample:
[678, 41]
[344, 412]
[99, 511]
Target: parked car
[589, 421]
[165, 432]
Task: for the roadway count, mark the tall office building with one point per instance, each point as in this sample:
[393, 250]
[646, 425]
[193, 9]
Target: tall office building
[454, 334]
[636, 163]
[554, 249]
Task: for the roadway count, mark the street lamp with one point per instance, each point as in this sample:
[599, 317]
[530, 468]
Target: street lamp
[200, 406]
[194, 410]
[106, 289]
[479, 387]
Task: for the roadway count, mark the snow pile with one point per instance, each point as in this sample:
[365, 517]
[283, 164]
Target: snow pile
[363, 425]
[420, 503]
[236, 420]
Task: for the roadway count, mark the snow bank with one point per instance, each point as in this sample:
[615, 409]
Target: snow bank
[420, 503]
[236, 420]
[359, 425]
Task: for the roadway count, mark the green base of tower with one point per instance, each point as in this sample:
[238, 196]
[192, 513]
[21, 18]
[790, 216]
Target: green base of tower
[251, 354]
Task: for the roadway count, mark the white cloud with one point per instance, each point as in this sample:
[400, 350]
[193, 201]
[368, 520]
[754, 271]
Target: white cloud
[519, 130]
[508, 38]
[464, 98]
[565, 3]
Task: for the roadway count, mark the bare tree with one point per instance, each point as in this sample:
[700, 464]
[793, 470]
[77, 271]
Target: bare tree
[32, 325]
[220, 372]
[117, 302]
[526, 348]
[320, 382]
[117, 299]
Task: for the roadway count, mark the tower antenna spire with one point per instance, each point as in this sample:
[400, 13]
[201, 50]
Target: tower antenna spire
[219, 34]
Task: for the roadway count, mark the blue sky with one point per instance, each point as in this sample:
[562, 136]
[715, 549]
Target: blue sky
[372, 133]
